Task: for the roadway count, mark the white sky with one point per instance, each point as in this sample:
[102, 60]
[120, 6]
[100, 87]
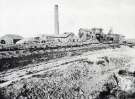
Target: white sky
[32, 17]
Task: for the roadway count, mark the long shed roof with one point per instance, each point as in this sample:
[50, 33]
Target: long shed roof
[13, 36]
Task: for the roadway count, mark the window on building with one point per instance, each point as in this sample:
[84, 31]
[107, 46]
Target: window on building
[43, 41]
[92, 37]
[15, 40]
[59, 40]
[3, 42]
[37, 38]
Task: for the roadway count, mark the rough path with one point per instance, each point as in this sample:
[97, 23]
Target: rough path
[25, 72]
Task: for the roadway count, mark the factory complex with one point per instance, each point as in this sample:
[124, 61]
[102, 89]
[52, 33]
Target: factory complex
[85, 36]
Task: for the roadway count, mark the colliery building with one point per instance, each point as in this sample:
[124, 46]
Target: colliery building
[93, 35]
[90, 35]
[52, 39]
[65, 37]
[115, 38]
[10, 39]
[86, 34]
[96, 35]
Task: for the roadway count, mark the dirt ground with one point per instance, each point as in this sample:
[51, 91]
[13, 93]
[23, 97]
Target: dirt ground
[76, 77]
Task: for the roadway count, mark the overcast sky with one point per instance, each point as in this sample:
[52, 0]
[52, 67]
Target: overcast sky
[32, 17]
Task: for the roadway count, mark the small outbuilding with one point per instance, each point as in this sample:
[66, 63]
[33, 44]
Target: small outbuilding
[115, 38]
[65, 37]
[10, 39]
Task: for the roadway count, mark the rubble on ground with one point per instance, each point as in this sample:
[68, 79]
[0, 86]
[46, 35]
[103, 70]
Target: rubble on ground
[106, 74]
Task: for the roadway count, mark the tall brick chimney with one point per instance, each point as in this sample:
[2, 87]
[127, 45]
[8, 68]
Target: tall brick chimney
[56, 19]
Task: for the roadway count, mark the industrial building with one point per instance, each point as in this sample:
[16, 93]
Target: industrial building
[93, 35]
[60, 38]
[88, 35]
[115, 38]
[10, 39]
[65, 37]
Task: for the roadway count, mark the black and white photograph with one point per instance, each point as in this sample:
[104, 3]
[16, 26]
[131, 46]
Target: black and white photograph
[67, 49]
